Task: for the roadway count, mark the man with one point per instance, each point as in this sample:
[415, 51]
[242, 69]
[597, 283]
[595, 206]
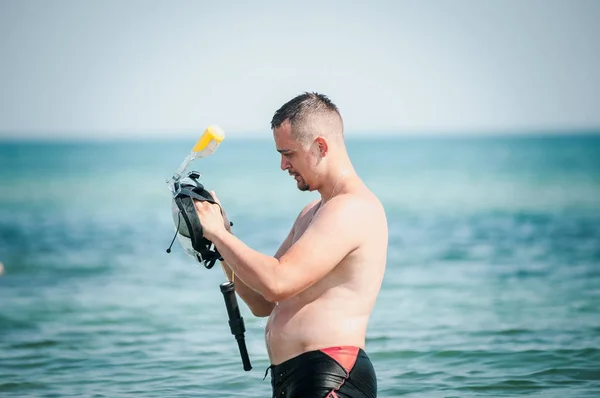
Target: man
[319, 288]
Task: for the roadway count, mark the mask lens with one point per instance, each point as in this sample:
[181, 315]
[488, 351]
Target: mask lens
[186, 244]
[183, 234]
[179, 220]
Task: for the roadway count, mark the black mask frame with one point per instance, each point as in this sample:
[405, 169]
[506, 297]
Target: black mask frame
[184, 194]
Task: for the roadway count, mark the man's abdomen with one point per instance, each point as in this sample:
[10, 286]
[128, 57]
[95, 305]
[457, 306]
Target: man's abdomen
[293, 329]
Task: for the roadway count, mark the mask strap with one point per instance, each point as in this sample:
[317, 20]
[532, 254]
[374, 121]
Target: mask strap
[176, 232]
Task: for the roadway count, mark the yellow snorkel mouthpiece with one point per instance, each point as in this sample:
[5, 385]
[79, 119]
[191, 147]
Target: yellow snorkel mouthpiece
[206, 145]
[208, 142]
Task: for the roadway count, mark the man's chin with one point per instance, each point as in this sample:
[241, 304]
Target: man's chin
[302, 186]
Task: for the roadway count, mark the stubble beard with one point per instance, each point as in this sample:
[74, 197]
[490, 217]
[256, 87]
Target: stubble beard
[302, 185]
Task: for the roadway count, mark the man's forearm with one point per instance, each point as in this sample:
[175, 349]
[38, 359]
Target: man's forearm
[257, 303]
[255, 269]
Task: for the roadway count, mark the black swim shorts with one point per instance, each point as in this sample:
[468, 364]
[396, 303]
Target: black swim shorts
[333, 372]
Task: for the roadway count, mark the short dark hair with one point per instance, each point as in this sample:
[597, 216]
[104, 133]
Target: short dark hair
[301, 106]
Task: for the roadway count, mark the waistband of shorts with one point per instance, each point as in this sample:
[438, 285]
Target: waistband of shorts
[306, 358]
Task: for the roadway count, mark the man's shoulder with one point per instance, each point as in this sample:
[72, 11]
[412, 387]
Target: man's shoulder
[363, 203]
[308, 207]
[362, 212]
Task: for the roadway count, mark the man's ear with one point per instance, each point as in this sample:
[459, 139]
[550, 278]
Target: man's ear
[322, 146]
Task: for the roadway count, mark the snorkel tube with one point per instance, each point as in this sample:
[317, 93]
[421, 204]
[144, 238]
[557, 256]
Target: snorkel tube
[188, 228]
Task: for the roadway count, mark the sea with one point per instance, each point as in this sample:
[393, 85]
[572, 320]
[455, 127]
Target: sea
[492, 285]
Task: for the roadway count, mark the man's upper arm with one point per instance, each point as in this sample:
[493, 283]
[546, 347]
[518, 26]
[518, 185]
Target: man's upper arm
[287, 243]
[324, 244]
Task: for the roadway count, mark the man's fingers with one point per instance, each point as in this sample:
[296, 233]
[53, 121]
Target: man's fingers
[197, 204]
[214, 195]
[223, 212]
[203, 205]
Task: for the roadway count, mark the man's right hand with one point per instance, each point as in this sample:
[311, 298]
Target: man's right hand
[225, 218]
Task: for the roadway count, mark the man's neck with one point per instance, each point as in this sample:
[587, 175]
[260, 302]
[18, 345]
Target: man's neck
[335, 182]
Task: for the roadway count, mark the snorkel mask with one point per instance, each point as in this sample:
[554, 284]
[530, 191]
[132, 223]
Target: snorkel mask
[188, 229]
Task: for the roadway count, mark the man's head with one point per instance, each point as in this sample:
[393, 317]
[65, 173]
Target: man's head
[307, 130]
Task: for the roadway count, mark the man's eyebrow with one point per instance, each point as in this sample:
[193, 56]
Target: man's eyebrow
[284, 151]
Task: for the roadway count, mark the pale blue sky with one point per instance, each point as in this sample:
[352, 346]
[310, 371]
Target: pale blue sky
[170, 68]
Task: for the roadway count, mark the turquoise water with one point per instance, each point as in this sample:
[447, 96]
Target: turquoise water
[492, 285]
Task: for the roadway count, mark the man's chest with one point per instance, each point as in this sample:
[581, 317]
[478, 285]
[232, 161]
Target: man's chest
[304, 222]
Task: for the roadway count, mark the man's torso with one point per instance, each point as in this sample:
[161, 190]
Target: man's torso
[335, 310]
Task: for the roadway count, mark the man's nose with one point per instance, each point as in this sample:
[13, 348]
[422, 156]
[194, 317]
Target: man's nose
[285, 164]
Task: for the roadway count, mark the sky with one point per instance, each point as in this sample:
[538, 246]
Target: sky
[161, 69]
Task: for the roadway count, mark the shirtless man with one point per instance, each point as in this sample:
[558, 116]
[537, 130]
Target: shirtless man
[319, 288]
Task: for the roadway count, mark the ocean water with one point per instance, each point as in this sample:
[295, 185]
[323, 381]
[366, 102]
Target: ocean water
[492, 286]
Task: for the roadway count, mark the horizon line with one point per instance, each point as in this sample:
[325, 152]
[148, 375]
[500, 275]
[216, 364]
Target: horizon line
[177, 135]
